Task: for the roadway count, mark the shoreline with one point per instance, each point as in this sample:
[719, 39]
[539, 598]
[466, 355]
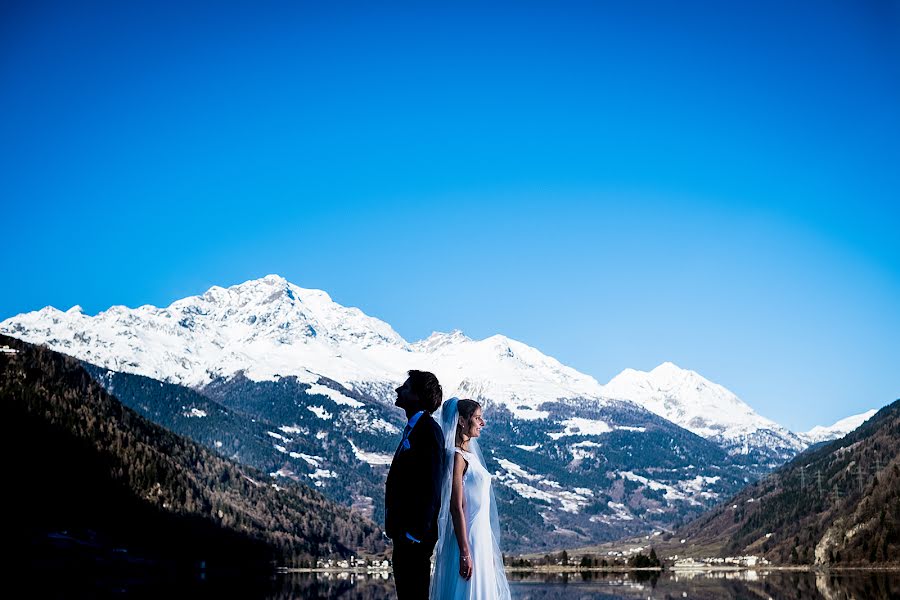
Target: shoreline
[556, 569]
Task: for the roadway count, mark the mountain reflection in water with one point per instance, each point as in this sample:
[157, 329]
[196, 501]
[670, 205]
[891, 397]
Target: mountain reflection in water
[795, 585]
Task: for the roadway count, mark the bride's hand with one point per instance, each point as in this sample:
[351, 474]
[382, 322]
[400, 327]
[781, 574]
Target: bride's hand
[465, 566]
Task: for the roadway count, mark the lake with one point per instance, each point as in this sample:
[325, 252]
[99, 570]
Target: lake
[795, 585]
[743, 585]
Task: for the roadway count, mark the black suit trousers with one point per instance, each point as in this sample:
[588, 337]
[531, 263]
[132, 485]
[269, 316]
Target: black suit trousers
[412, 569]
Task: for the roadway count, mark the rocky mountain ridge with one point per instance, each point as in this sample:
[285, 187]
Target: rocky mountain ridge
[290, 382]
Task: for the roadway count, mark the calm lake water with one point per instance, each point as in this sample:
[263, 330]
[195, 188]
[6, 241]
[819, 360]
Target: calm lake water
[856, 585]
[743, 585]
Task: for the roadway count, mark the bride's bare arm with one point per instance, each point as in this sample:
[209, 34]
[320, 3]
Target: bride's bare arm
[457, 512]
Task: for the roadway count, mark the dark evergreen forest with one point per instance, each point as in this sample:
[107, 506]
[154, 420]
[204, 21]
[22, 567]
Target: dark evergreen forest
[835, 504]
[91, 482]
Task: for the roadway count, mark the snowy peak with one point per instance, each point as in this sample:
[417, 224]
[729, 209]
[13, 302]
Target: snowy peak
[267, 327]
[837, 430]
[708, 409]
[501, 370]
[272, 307]
[270, 328]
[671, 376]
[499, 355]
[669, 368]
[438, 340]
[679, 393]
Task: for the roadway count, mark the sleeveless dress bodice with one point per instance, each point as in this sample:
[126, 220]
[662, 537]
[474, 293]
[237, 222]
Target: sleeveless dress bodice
[488, 581]
[477, 492]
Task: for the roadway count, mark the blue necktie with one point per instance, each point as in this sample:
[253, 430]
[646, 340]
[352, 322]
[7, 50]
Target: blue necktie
[404, 443]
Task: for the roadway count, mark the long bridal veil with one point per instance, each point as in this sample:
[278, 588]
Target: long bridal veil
[446, 579]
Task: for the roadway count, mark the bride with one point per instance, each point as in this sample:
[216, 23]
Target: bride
[468, 564]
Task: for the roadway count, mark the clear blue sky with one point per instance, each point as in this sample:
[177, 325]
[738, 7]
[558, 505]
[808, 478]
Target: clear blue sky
[617, 184]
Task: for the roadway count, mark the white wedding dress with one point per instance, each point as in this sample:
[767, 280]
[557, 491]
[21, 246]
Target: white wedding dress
[488, 581]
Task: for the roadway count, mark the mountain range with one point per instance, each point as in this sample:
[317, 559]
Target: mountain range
[287, 380]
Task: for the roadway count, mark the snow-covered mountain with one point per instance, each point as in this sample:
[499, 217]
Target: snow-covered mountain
[266, 327]
[288, 380]
[498, 369]
[837, 430]
[706, 408]
[269, 328]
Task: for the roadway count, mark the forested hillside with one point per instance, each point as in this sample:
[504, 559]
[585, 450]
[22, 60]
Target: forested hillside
[837, 504]
[88, 476]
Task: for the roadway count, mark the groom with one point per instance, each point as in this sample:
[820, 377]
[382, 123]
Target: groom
[412, 496]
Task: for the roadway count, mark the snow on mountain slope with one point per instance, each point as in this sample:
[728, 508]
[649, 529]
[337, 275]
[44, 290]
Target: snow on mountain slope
[573, 455]
[502, 370]
[838, 430]
[699, 405]
[269, 328]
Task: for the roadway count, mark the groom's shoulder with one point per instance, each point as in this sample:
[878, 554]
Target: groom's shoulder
[429, 419]
[434, 428]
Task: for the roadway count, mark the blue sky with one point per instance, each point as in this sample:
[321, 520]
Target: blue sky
[616, 184]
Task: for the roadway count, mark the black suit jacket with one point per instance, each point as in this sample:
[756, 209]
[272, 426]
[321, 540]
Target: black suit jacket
[412, 498]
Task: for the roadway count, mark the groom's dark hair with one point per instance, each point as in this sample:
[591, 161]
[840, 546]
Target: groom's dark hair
[425, 385]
